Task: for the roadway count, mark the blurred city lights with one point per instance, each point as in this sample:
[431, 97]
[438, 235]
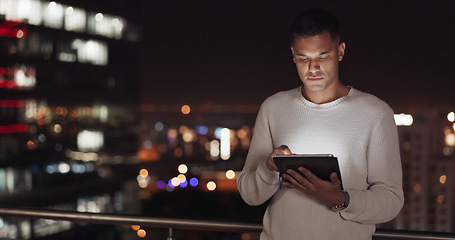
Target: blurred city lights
[135, 227]
[175, 181]
[245, 236]
[159, 126]
[57, 128]
[183, 168]
[32, 145]
[214, 149]
[143, 172]
[225, 144]
[188, 136]
[211, 186]
[184, 184]
[194, 182]
[185, 109]
[443, 179]
[417, 188]
[88, 140]
[141, 233]
[99, 17]
[172, 134]
[182, 178]
[217, 132]
[450, 139]
[440, 199]
[64, 167]
[161, 184]
[451, 116]
[230, 174]
[202, 130]
[403, 119]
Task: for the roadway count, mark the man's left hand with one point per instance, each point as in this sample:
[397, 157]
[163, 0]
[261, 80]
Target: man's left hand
[328, 193]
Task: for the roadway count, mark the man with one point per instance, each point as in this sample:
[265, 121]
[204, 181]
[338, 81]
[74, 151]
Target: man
[323, 116]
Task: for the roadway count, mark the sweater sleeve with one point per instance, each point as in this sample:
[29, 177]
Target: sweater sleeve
[256, 183]
[384, 198]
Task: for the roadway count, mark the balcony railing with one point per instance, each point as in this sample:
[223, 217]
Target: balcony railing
[170, 224]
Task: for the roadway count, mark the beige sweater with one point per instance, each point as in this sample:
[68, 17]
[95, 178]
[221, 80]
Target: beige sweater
[360, 131]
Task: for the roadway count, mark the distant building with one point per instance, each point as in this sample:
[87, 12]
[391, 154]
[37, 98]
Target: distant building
[428, 171]
[68, 107]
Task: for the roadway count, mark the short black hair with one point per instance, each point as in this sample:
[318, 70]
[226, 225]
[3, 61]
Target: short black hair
[314, 21]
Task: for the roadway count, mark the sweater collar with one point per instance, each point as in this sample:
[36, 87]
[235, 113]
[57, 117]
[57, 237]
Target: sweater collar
[333, 103]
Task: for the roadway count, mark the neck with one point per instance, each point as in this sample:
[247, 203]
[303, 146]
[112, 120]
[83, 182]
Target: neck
[325, 96]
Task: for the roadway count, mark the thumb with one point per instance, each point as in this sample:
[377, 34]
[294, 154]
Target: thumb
[334, 178]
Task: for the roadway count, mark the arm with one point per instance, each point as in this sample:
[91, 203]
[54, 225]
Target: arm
[384, 198]
[259, 179]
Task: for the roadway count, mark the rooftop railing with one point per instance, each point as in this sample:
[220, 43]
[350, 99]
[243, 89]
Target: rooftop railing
[171, 224]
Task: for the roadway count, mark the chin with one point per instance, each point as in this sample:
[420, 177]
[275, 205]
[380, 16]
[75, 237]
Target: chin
[316, 88]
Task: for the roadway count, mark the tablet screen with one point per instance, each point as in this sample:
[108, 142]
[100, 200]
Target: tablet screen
[321, 165]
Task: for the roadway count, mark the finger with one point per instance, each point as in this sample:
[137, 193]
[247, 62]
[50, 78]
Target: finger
[334, 179]
[293, 183]
[299, 178]
[271, 165]
[285, 149]
[311, 177]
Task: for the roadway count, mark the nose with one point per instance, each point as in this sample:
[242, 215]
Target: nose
[313, 66]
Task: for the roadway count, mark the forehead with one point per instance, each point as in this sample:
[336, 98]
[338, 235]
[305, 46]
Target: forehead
[317, 44]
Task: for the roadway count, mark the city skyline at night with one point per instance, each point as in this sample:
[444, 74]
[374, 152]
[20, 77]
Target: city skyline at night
[129, 107]
[232, 51]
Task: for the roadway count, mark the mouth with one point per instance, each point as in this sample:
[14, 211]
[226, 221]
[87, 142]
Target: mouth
[315, 78]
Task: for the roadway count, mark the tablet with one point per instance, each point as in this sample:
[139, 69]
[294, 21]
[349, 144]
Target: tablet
[321, 165]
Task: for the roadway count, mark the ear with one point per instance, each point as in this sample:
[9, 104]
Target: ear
[293, 53]
[292, 50]
[341, 51]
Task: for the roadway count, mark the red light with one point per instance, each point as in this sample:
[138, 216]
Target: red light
[12, 103]
[5, 129]
[12, 29]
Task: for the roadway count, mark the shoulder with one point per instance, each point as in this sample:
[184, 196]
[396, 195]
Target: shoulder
[368, 104]
[283, 97]
[368, 100]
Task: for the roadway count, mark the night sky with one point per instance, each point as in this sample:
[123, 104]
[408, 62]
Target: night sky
[237, 51]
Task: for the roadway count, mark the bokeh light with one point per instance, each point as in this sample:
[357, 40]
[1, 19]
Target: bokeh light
[182, 178]
[184, 184]
[443, 179]
[211, 186]
[440, 199]
[183, 168]
[194, 182]
[451, 116]
[230, 174]
[141, 233]
[143, 172]
[186, 109]
[202, 130]
[175, 181]
[161, 184]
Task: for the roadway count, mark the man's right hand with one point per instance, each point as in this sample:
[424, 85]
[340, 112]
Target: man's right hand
[283, 149]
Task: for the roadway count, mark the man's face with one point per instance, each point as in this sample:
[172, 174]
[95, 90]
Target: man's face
[316, 59]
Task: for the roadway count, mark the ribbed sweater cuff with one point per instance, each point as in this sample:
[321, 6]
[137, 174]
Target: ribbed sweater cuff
[270, 177]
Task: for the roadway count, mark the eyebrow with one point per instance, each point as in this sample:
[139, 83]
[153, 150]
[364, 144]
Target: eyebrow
[320, 54]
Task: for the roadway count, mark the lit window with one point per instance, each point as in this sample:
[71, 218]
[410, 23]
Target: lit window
[403, 119]
[75, 19]
[53, 15]
[451, 116]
